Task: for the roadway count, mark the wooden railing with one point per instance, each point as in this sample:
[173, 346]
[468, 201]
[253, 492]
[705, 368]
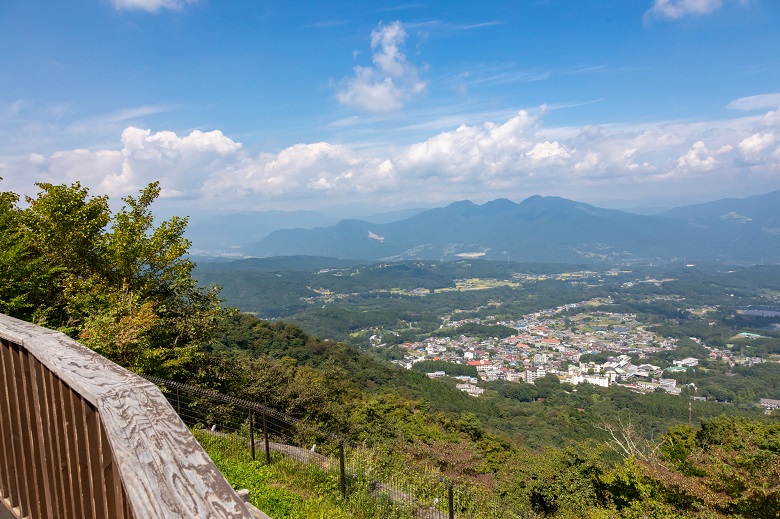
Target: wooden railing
[81, 437]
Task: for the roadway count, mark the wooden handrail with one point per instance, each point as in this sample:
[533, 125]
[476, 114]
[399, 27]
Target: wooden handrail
[81, 436]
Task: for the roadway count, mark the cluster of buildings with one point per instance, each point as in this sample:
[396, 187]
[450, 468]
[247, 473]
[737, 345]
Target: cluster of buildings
[725, 356]
[552, 342]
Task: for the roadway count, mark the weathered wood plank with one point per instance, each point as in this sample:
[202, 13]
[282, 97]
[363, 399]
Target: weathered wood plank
[114, 491]
[21, 447]
[164, 472]
[42, 447]
[56, 430]
[6, 447]
[37, 503]
[188, 477]
[93, 426]
[10, 434]
[67, 469]
[72, 452]
[83, 409]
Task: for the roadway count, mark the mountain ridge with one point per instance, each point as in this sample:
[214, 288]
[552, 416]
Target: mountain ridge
[549, 228]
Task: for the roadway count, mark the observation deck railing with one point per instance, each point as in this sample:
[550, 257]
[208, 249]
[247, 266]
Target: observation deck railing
[83, 437]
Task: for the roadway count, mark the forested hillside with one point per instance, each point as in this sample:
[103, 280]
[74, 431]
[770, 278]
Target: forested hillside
[122, 284]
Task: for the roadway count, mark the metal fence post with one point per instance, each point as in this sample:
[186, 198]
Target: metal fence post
[265, 438]
[342, 470]
[451, 501]
[252, 432]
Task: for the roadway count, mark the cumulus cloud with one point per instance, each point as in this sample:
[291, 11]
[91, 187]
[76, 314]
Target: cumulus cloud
[771, 118]
[589, 162]
[472, 153]
[697, 158]
[88, 167]
[549, 151]
[303, 170]
[675, 9]
[390, 82]
[513, 158]
[182, 164]
[151, 6]
[751, 148]
[36, 159]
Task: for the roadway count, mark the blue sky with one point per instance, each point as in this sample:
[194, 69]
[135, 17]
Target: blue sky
[257, 105]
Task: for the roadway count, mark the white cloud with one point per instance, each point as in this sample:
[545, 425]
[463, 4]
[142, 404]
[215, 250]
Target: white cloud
[590, 162]
[391, 82]
[182, 164]
[151, 6]
[62, 167]
[751, 147]
[757, 102]
[675, 9]
[480, 151]
[82, 165]
[15, 108]
[771, 118]
[512, 158]
[697, 158]
[549, 151]
[129, 114]
[26, 108]
[36, 159]
[301, 171]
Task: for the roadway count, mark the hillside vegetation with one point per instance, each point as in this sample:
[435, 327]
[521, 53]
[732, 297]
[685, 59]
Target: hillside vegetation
[124, 287]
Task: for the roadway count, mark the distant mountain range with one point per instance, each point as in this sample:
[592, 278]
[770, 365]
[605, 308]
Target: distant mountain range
[550, 229]
[224, 235]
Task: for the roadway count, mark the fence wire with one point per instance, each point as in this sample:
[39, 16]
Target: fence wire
[377, 484]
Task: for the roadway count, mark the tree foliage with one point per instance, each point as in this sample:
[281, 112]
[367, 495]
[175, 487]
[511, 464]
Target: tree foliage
[116, 282]
[450, 368]
[123, 285]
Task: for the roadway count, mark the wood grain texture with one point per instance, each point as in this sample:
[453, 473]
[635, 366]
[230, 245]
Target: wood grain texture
[8, 478]
[108, 410]
[40, 428]
[24, 483]
[57, 442]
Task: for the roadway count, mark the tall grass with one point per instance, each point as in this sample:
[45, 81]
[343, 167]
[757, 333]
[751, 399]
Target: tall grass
[378, 487]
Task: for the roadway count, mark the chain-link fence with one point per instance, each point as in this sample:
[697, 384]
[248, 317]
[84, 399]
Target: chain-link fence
[376, 484]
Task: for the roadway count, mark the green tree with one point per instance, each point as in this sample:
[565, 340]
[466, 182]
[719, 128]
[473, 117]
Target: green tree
[118, 283]
[547, 385]
[728, 465]
[157, 318]
[24, 277]
[64, 227]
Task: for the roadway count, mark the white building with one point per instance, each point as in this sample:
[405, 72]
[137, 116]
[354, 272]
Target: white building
[470, 389]
[532, 374]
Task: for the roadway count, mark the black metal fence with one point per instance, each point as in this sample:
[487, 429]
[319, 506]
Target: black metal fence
[380, 485]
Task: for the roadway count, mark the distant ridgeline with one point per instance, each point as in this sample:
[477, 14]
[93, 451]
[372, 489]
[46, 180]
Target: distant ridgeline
[550, 229]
